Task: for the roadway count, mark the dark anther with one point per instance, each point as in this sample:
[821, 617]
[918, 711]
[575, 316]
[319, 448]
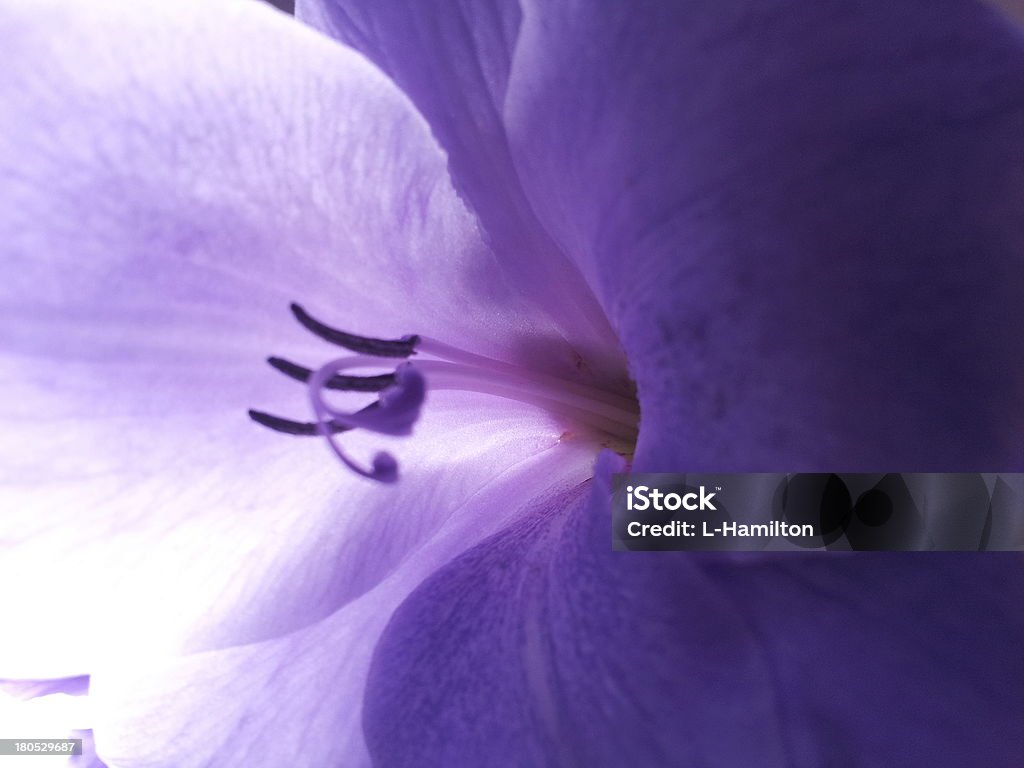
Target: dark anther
[377, 347]
[337, 381]
[290, 427]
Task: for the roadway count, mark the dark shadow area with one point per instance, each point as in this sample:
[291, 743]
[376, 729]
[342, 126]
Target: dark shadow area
[288, 6]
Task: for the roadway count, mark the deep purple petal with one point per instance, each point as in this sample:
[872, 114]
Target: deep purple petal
[297, 699]
[543, 647]
[454, 60]
[170, 178]
[804, 221]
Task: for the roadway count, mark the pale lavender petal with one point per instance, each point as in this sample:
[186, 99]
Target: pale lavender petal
[541, 646]
[454, 60]
[170, 178]
[804, 221]
[297, 699]
[29, 689]
[88, 758]
[52, 709]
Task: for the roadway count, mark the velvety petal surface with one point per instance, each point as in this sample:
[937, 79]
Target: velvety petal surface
[296, 700]
[454, 60]
[805, 225]
[542, 647]
[170, 178]
[804, 221]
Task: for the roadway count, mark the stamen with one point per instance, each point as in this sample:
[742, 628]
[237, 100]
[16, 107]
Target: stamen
[336, 382]
[480, 363]
[289, 427]
[402, 393]
[364, 345]
[606, 412]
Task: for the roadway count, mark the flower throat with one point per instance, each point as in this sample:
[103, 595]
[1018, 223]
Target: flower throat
[402, 392]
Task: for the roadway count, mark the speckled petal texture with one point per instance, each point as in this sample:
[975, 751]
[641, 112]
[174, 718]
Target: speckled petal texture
[541, 647]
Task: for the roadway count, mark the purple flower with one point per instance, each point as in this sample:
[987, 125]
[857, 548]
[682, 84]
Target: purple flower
[797, 229]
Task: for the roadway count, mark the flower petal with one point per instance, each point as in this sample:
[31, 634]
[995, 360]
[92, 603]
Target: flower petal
[454, 61]
[543, 646]
[231, 161]
[804, 222]
[297, 699]
[170, 177]
[51, 708]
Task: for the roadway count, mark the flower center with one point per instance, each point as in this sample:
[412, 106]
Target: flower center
[610, 417]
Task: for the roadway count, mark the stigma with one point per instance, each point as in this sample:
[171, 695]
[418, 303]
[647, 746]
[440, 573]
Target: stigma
[610, 417]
